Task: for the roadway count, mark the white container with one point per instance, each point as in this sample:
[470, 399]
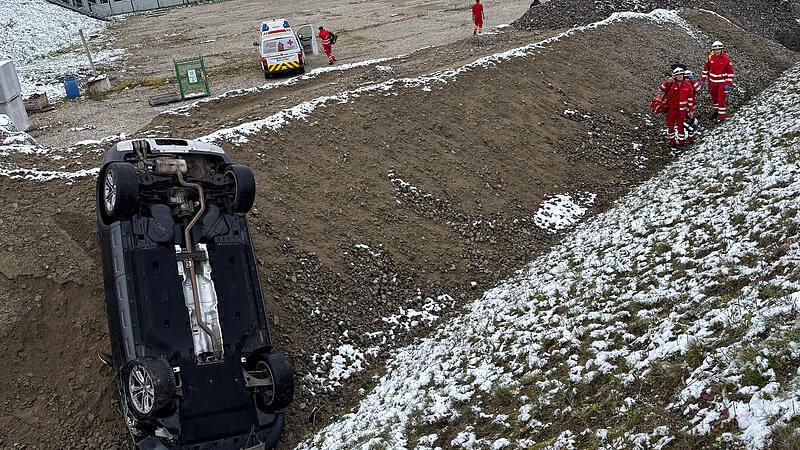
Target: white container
[16, 110]
[9, 82]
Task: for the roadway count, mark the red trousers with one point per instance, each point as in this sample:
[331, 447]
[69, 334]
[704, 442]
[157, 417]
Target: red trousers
[718, 94]
[675, 119]
[478, 24]
[327, 49]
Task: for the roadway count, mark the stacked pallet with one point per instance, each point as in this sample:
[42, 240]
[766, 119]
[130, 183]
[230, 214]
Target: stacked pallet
[11, 103]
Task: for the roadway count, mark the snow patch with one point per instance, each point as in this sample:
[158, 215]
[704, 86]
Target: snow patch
[33, 31]
[561, 211]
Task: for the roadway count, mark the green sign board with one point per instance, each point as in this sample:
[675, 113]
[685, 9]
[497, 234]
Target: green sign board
[192, 79]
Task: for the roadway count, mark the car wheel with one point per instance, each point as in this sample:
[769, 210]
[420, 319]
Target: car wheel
[119, 191]
[277, 368]
[244, 187]
[150, 386]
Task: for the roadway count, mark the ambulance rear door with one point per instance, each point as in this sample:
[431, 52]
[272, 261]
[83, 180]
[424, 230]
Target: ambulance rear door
[305, 34]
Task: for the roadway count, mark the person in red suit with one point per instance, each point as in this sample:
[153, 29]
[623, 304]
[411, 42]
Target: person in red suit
[679, 91]
[325, 36]
[691, 124]
[719, 72]
[477, 17]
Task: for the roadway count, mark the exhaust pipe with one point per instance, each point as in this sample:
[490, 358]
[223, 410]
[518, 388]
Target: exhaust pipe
[190, 262]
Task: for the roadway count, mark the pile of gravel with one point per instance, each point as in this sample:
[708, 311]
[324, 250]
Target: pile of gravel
[569, 13]
[778, 20]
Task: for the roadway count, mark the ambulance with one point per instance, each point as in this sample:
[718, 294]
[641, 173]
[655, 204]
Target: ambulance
[282, 50]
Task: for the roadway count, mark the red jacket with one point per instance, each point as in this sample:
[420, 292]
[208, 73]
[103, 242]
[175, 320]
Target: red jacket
[718, 70]
[695, 89]
[477, 11]
[678, 94]
[325, 35]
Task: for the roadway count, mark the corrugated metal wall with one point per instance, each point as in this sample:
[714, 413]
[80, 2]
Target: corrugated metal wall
[103, 9]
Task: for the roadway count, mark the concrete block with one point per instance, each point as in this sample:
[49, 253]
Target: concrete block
[15, 109]
[100, 83]
[9, 82]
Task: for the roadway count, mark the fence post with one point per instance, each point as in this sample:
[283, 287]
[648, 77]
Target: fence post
[86, 47]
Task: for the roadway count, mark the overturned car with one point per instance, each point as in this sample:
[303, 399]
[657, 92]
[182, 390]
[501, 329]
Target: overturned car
[190, 342]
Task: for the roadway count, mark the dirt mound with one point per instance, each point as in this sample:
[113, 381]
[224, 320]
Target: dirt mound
[776, 20]
[375, 217]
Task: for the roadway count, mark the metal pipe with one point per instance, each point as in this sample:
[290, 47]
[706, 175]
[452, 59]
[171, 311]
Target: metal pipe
[86, 47]
[190, 262]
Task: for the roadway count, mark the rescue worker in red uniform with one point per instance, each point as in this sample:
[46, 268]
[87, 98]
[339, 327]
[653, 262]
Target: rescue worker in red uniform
[691, 124]
[719, 72]
[325, 36]
[477, 17]
[678, 93]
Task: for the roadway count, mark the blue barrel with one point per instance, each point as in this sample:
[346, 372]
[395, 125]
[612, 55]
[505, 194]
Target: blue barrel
[71, 86]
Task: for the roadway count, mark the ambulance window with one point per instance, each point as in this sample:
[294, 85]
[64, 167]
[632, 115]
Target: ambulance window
[270, 47]
[279, 45]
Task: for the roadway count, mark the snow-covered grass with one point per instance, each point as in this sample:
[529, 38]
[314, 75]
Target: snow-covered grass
[34, 34]
[671, 319]
[239, 133]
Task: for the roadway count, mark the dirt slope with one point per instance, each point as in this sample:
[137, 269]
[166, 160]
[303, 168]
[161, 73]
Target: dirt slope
[487, 147]
[778, 20]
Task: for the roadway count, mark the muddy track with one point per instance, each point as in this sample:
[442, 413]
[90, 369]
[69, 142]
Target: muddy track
[383, 204]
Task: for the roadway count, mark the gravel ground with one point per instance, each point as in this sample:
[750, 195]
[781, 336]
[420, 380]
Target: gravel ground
[223, 32]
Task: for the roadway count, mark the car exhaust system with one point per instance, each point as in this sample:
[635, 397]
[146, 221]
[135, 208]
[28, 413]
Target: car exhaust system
[190, 262]
[177, 167]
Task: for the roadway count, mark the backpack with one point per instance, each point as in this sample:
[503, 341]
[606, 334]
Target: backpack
[334, 37]
[659, 103]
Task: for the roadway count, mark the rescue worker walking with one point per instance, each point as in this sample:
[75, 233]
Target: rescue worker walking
[477, 17]
[719, 72]
[691, 124]
[325, 36]
[677, 99]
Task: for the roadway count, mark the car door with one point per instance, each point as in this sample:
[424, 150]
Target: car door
[305, 34]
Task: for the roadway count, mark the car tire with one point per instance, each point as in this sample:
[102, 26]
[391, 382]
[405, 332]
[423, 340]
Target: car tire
[244, 187]
[119, 191]
[150, 387]
[281, 392]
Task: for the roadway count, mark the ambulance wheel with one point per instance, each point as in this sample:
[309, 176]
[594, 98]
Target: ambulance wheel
[302, 70]
[266, 75]
[244, 187]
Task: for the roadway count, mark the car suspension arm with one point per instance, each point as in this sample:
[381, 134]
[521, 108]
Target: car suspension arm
[190, 263]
